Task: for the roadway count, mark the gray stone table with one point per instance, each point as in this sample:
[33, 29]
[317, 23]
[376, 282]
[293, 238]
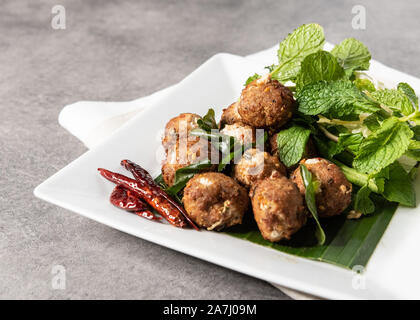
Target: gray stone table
[121, 50]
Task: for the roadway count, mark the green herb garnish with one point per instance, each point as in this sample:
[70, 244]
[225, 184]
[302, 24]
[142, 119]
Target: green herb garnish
[310, 190]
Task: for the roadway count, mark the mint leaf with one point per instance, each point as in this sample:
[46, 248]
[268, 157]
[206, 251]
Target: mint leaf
[415, 117]
[409, 92]
[373, 121]
[349, 141]
[346, 141]
[413, 151]
[252, 78]
[337, 99]
[413, 154]
[352, 55]
[383, 146]
[413, 173]
[317, 66]
[310, 201]
[365, 85]
[416, 131]
[291, 144]
[379, 179]
[362, 202]
[399, 188]
[396, 100]
[305, 40]
[414, 145]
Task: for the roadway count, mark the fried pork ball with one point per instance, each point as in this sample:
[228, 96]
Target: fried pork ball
[182, 154]
[266, 103]
[278, 208]
[215, 201]
[256, 165]
[334, 192]
[179, 126]
[231, 115]
[241, 132]
[310, 150]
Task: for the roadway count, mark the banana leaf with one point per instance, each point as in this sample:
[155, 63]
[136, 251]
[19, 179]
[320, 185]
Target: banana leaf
[348, 242]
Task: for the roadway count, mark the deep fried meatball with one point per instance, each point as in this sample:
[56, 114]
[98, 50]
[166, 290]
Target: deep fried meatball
[310, 150]
[242, 133]
[215, 201]
[231, 115]
[266, 103]
[334, 192]
[180, 125]
[256, 165]
[278, 208]
[182, 154]
[273, 145]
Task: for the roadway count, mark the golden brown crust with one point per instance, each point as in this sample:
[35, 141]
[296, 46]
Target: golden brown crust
[334, 193]
[278, 208]
[215, 201]
[256, 165]
[181, 154]
[231, 115]
[266, 103]
[179, 125]
[243, 133]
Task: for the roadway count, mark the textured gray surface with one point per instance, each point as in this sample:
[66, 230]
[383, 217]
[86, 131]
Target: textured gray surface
[121, 50]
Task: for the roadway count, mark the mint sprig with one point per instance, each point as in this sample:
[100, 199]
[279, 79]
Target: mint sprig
[352, 55]
[335, 99]
[383, 146]
[306, 39]
[318, 66]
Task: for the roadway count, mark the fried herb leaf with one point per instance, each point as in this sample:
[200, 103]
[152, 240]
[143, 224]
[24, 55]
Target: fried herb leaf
[238, 150]
[183, 175]
[208, 122]
[220, 141]
[159, 181]
[310, 202]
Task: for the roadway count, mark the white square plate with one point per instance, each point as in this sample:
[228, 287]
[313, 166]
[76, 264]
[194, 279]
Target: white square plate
[391, 273]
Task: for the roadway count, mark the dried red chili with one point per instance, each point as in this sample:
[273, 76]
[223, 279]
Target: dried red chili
[152, 196]
[146, 180]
